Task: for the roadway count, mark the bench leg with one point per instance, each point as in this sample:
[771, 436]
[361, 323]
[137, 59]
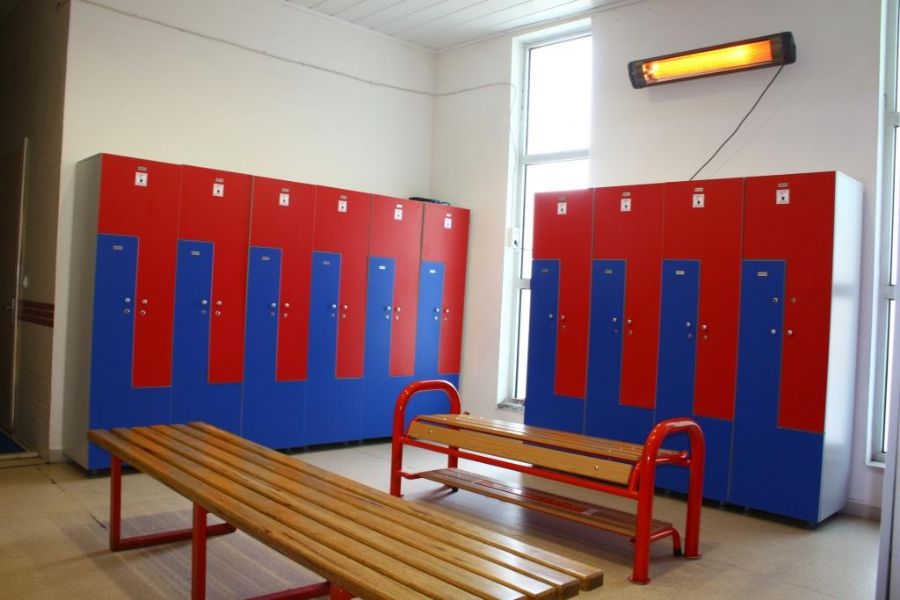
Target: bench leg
[396, 465]
[198, 555]
[117, 542]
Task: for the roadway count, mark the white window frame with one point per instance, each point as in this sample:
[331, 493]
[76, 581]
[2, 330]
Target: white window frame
[523, 161]
[886, 291]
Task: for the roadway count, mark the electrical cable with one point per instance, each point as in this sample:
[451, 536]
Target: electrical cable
[746, 116]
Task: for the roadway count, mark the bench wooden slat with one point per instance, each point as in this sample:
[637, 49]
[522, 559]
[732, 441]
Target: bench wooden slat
[589, 576]
[354, 576]
[391, 557]
[586, 466]
[549, 437]
[603, 517]
[479, 577]
[488, 561]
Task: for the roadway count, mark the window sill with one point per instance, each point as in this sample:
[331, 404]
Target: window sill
[516, 406]
[878, 464]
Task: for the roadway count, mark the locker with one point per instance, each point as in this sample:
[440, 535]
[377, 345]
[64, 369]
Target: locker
[342, 227]
[273, 410]
[391, 309]
[605, 415]
[772, 231]
[334, 404]
[703, 222]
[774, 468]
[562, 231]
[140, 198]
[215, 207]
[396, 233]
[282, 218]
[428, 333]
[194, 396]
[628, 226]
[445, 237]
[114, 401]
[544, 407]
[679, 337]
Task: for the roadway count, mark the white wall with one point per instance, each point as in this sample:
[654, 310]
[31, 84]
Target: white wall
[146, 89]
[821, 114]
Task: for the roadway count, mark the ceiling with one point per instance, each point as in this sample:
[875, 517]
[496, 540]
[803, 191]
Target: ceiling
[442, 24]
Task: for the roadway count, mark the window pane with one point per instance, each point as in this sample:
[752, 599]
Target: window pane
[894, 213]
[559, 96]
[888, 379]
[522, 348]
[547, 177]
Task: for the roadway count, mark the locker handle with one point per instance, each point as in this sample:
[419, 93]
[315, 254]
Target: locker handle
[273, 305]
[332, 306]
[387, 308]
[790, 332]
[287, 304]
[204, 302]
[127, 300]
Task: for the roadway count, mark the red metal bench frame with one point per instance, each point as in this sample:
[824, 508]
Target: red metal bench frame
[198, 534]
[640, 485]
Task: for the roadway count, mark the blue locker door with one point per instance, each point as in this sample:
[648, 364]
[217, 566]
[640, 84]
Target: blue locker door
[428, 339]
[543, 408]
[675, 382]
[334, 407]
[605, 415]
[194, 398]
[381, 389]
[114, 402]
[764, 471]
[272, 410]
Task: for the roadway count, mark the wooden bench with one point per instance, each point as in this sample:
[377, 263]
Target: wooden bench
[619, 468]
[364, 542]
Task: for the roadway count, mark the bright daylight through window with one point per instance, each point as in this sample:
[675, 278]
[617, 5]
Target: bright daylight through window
[556, 124]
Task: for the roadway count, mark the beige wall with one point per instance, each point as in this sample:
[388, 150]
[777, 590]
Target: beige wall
[33, 39]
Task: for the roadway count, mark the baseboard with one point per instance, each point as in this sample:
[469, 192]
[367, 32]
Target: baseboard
[864, 511]
[56, 456]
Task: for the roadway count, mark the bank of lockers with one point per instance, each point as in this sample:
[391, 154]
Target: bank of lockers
[289, 313]
[733, 302]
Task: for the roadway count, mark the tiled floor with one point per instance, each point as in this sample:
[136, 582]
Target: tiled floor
[53, 542]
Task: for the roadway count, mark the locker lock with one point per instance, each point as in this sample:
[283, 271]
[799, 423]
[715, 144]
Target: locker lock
[273, 305]
[143, 312]
[687, 324]
[550, 316]
[615, 320]
[127, 300]
[704, 327]
[287, 304]
[446, 310]
[218, 313]
[628, 321]
[387, 308]
[204, 302]
[284, 315]
[127, 311]
[775, 300]
[562, 317]
[790, 332]
[397, 309]
[218, 303]
[333, 306]
[145, 302]
[345, 306]
[437, 310]
[772, 332]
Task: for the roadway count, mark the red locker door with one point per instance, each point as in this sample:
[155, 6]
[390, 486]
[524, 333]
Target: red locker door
[791, 218]
[140, 198]
[282, 217]
[397, 233]
[215, 208]
[563, 225]
[342, 226]
[702, 221]
[445, 238]
[628, 226]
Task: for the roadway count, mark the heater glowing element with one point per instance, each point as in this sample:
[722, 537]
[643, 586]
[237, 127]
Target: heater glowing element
[777, 49]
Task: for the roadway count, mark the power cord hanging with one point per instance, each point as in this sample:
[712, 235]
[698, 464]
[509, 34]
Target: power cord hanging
[746, 116]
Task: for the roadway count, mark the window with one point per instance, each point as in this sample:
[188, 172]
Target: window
[554, 156]
[886, 317]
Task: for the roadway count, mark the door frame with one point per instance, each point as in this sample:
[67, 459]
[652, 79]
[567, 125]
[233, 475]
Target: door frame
[16, 300]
